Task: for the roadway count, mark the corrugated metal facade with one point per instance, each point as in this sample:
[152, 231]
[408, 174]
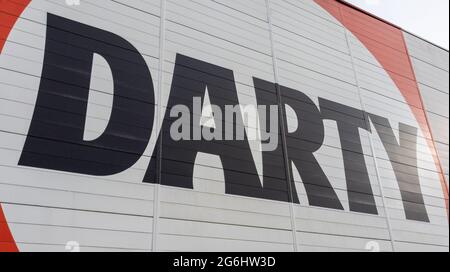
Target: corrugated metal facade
[324, 50]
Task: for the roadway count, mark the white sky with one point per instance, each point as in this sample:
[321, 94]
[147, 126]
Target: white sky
[428, 19]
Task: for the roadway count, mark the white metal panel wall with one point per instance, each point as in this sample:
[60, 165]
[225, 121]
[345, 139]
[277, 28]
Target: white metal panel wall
[381, 96]
[234, 35]
[47, 209]
[431, 65]
[313, 57]
[300, 46]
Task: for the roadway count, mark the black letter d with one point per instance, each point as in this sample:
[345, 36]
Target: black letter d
[55, 138]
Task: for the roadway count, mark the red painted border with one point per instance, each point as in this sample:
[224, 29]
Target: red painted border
[7, 243]
[10, 10]
[387, 43]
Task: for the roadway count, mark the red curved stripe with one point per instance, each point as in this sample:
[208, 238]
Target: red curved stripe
[10, 11]
[387, 44]
[7, 243]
